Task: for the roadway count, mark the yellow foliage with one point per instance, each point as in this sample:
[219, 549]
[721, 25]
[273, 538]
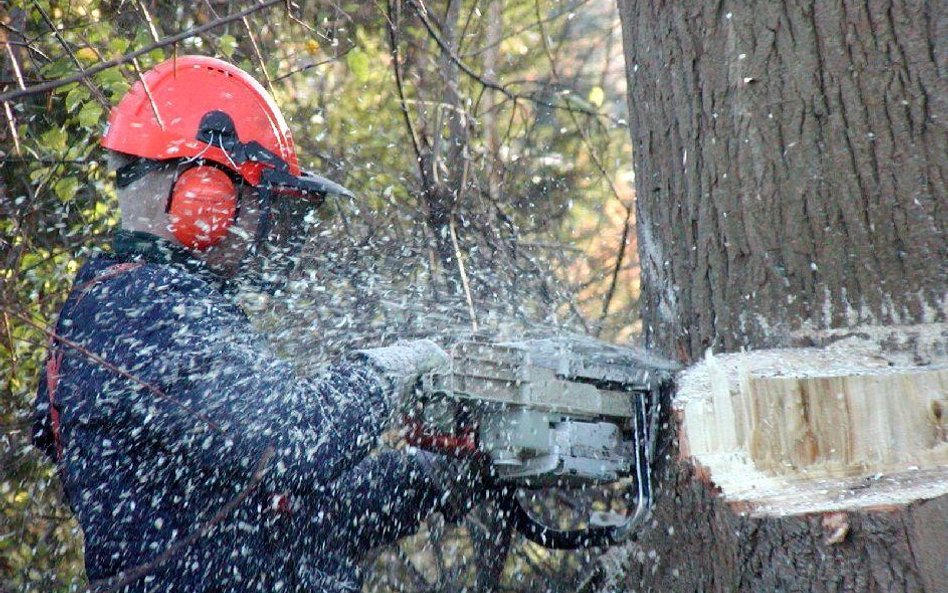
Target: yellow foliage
[87, 55]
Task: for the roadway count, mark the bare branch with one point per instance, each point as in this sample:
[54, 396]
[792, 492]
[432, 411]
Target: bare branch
[125, 59]
[422, 13]
[52, 335]
[129, 576]
[151, 23]
[464, 281]
[75, 60]
[623, 246]
[12, 123]
[392, 19]
[16, 66]
[311, 66]
[151, 99]
[256, 50]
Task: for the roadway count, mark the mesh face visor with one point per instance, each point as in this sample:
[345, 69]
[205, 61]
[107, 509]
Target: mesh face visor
[288, 202]
[287, 221]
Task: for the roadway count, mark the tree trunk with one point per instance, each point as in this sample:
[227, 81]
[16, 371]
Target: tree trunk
[790, 167]
[791, 178]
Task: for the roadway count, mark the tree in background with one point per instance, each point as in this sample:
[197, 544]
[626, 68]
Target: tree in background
[486, 142]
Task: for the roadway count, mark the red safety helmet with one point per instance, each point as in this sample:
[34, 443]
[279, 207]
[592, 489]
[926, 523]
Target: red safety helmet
[201, 110]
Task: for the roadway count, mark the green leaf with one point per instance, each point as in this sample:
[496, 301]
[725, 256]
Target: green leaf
[358, 63]
[113, 82]
[75, 97]
[90, 114]
[117, 46]
[157, 55]
[57, 69]
[117, 91]
[87, 55]
[227, 44]
[66, 188]
[65, 88]
[97, 33]
[109, 76]
[596, 96]
[54, 139]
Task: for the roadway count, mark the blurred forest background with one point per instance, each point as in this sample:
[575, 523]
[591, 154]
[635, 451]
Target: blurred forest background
[487, 144]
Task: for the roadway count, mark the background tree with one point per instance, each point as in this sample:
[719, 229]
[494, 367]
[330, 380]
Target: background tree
[790, 173]
[485, 139]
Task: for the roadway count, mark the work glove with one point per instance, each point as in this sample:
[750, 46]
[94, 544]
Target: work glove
[463, 482]
[402, 365]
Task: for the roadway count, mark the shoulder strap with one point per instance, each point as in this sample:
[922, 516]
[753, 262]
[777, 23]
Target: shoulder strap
[54, 361]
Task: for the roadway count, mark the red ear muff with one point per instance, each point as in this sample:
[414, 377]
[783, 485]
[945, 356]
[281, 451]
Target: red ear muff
[203, 206]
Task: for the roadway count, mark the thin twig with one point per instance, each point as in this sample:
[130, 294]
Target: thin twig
[128, 576]
[572, 112]
[392, 20]
[75, 60]
[610, 293]
[297, 20]
[311, 66]
[112, 367]
[151, 98]
[151, 23]
[12, 346]
[464, 282]
[422, 13]
[83, 75]
[16, 66]
[256, 50]
[626, 228]
[28, 45]
[12, 122]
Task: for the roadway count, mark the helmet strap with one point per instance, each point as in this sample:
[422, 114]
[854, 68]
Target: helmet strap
[135, 169]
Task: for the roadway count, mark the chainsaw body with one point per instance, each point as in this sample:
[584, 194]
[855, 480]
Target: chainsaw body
[563, 412]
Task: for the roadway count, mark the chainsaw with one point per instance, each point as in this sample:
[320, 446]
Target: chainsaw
[557, 412]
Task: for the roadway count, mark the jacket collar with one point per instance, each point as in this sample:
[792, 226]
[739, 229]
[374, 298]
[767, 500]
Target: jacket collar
[145, 247]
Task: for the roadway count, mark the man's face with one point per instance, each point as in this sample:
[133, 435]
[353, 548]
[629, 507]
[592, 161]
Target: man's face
[226, 257]
[291, 220]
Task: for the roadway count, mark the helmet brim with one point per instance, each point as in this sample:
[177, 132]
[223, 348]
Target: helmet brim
[306, 186]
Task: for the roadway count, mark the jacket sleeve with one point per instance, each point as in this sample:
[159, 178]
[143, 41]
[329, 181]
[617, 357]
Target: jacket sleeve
[209, 390]
[383, 499]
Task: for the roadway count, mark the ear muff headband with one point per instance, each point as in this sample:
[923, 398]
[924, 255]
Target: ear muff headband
[202, 206]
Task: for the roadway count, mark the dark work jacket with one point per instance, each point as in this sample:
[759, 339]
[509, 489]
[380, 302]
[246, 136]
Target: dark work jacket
[197, 461]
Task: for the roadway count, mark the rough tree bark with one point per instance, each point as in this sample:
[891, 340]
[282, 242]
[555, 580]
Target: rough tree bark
[791, 178]
[790, 167]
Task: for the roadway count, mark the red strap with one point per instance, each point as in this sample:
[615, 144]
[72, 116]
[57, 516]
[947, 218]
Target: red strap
[281, 503]
[56, 356]
[52, 382]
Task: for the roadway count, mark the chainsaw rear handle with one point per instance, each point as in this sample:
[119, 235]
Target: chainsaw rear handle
[575, 539]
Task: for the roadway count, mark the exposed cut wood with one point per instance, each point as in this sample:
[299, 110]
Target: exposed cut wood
[811, 429]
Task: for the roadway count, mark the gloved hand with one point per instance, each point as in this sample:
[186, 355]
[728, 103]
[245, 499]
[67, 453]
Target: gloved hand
[403, 364]
[464, 482]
